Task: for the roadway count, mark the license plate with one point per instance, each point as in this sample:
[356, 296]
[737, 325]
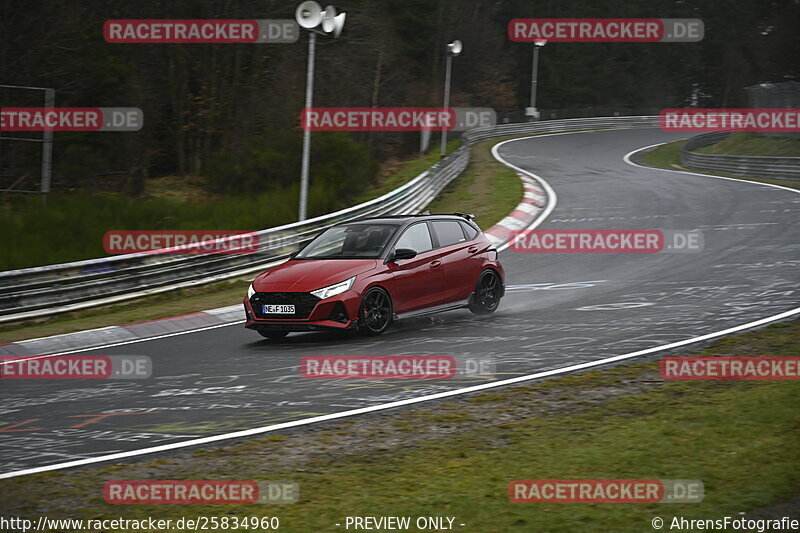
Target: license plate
[278, 309]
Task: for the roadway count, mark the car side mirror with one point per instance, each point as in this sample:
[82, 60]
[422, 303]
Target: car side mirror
[403, 253]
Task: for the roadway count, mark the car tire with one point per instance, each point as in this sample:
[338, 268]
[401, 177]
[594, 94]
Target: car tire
[488, 291]
[273, 335]
[375, 312]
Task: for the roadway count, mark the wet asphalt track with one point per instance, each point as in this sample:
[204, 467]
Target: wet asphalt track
[561, 309]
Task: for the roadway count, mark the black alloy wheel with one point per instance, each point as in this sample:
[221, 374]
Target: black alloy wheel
[375, 313]
[488, 291]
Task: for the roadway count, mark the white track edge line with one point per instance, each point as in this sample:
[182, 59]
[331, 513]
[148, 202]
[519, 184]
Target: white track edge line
[391, 405]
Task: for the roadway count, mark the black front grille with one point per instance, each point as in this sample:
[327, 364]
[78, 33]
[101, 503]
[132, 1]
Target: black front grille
[303, 303]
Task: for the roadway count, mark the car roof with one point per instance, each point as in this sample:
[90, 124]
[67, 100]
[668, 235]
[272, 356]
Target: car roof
[402, 219]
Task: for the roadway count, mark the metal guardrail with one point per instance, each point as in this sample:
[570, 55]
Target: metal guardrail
[787, 168]
[556, 126]
[53, 289]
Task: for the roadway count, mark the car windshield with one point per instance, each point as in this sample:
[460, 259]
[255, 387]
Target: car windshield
[350, 241]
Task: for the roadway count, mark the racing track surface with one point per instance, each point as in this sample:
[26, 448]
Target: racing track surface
[561, 309]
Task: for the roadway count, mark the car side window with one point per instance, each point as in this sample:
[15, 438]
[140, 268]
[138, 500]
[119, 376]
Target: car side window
[469, 231]
[448, 232]
[417, 238]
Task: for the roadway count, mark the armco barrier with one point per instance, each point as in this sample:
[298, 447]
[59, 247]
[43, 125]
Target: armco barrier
[787, 168]
[53, 289]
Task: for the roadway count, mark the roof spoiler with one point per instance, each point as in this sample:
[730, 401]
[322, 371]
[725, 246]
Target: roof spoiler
[468, 216]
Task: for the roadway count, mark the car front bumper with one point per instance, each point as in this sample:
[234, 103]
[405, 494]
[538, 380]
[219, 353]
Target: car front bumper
[339, 312]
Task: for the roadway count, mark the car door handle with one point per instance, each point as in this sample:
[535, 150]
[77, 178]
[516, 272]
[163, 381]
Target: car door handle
[472, 249]
[436, 264]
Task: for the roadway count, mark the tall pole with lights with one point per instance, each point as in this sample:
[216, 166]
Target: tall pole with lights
[532, 111]
[453, 49]
[309, 15]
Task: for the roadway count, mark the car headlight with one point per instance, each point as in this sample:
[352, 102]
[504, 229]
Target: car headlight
[335, 289]
[250, 291]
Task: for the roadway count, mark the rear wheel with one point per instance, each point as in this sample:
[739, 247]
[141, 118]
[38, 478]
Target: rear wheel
[375, 312]
[488, 291]
[273, 335]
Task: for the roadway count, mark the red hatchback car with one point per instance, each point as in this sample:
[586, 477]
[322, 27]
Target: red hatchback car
[363, 274]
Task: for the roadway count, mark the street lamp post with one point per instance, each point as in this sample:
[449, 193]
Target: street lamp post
[309, 15]
[453, 49]
[532, 111]
[304, 166]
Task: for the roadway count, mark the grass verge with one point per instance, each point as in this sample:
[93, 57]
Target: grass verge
[456, 458]
[396, 173]
[667, 156]
[486, 188]
[755, 145]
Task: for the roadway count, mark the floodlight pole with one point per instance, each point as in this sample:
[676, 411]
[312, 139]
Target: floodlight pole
[312, 42]
[309, 15]
[535, 71]
[534, 114]
[446, 101]
[47, 146]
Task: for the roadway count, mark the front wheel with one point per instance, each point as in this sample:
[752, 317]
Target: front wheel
[273, 335]
[375, 312]
[488, 291]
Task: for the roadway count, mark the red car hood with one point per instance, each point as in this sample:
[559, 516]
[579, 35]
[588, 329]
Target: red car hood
[309, 275]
